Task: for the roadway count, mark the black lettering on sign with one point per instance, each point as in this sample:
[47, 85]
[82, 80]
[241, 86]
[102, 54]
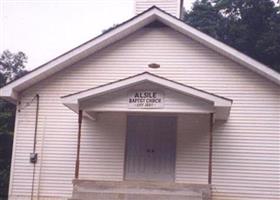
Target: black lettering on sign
[145, 99]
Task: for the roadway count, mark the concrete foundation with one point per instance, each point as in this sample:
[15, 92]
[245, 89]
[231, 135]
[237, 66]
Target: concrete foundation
[138, 190]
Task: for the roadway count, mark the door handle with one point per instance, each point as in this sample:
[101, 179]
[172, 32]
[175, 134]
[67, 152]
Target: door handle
[150, 150]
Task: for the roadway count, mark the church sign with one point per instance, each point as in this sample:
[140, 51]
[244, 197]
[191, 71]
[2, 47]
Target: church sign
[145, 99]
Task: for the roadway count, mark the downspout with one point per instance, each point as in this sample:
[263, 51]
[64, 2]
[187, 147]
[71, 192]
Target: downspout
[33, 155]
[77, 167]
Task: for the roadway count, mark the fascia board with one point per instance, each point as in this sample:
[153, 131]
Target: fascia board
[9, 95]
[102, 90]
[10, 91]
[80, 53]
[190, 91]
[219, 47]
[124, 30]
[217, 101]
[72, 106]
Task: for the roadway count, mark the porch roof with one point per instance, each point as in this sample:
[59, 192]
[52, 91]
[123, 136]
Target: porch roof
[221, 105]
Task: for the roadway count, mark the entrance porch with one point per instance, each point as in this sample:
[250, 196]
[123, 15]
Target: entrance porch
[138, 190]
[155, 134]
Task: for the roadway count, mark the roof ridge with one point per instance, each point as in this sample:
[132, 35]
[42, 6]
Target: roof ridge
[127, 28]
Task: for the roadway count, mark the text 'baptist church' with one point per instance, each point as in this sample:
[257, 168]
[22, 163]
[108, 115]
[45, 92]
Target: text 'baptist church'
[146, 99]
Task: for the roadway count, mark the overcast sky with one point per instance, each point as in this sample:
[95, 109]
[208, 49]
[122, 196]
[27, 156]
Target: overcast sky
[44, 29]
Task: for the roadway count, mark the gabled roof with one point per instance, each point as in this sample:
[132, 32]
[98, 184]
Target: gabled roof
[221, 104]
[10, 91]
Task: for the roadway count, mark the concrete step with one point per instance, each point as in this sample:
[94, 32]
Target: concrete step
[138, 190]
[123, 196]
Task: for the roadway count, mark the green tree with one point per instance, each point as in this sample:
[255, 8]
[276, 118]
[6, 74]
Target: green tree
[11, 67]
[206, 18]
[250, 26]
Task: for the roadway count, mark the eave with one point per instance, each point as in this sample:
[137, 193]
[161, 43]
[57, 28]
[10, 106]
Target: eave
[11, 90]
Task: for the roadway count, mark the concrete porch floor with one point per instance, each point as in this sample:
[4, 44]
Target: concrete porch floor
[138, 190]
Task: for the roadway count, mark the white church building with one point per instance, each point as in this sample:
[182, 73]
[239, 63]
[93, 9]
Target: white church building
[151, 109]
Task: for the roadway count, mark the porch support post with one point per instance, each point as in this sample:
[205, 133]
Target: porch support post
[77, 167]
[210, 148]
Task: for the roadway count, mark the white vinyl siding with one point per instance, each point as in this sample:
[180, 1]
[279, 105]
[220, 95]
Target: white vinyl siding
[102, 147]
[192, 149]
[245, 150]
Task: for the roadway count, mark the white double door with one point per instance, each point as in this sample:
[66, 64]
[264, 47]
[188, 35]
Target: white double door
[150, 148]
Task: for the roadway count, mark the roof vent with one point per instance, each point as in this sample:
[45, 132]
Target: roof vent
[154, 65]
